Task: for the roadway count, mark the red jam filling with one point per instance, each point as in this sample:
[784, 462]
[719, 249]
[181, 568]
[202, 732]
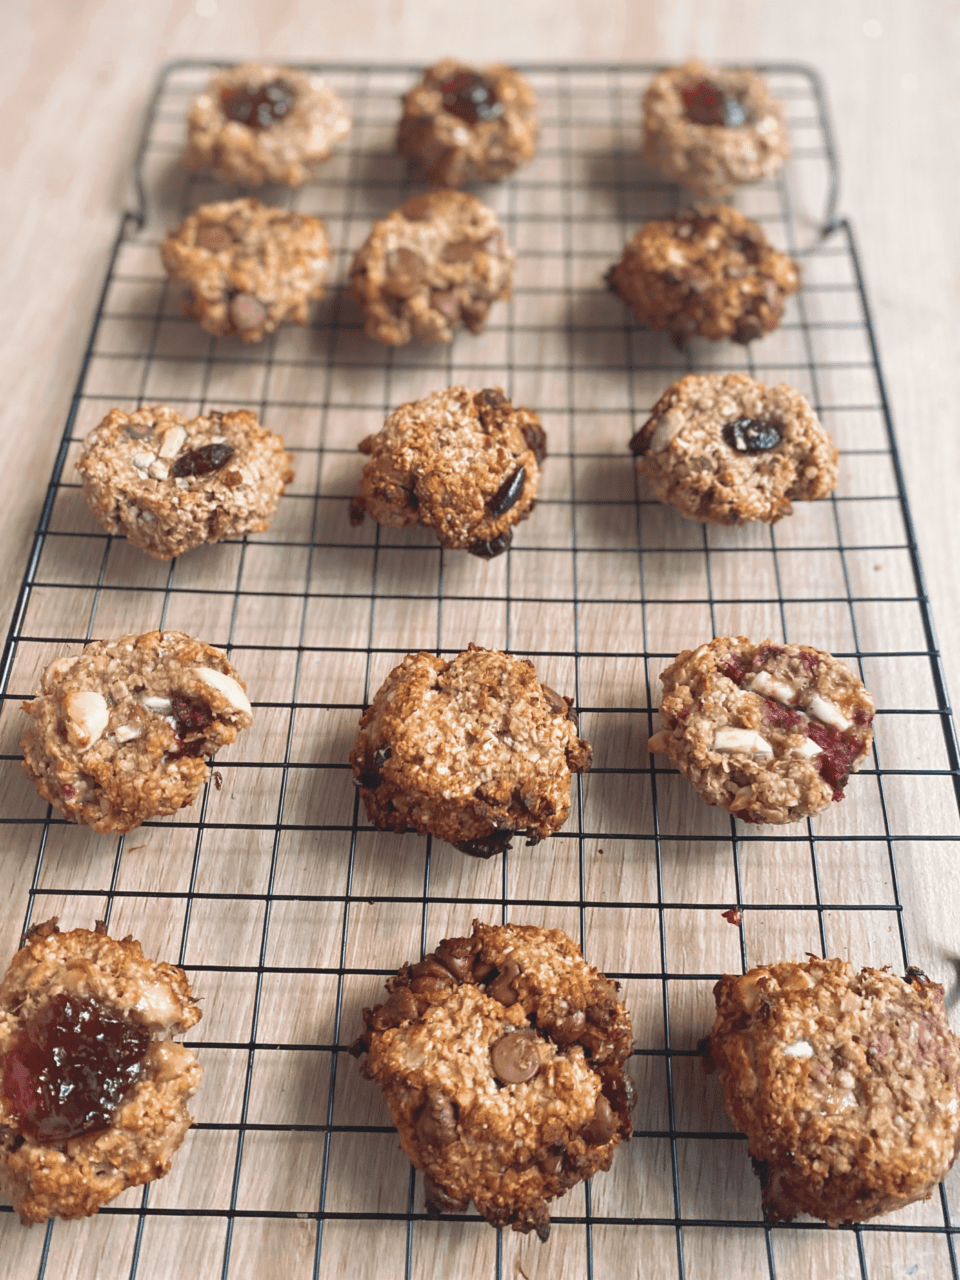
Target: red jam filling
[70, 1067]
[261, 109]
[471, 97]
[705, 103]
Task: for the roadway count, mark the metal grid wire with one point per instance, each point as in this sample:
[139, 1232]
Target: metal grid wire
[284, 906]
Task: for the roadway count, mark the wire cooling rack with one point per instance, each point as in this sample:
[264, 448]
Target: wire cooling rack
[288, 910]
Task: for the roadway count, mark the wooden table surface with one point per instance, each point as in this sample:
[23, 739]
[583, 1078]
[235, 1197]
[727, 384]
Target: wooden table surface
[75, 82]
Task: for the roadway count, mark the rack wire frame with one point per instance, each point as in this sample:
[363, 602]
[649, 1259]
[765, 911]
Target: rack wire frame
[567, 348]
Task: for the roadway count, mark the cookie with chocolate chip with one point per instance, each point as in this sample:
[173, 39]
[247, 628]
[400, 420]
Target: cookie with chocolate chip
[473, 751]
[724, 448]
[93, 1090]
[501, 1058]
[257, 123]
[707, 272]
[247, 267]
[846, 1085]
[433, 265]
[119, 733]
[466, 124]
[465, 464]
[713, 128]
[168, 483]
[770, 732]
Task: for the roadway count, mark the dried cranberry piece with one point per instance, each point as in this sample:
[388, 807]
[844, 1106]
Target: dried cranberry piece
[837, 754]
[261, 109]
[495, 546]
[470, 96]
[777, 717]
[705, 103]
[763, 655]
[808, 660]
[733, 667]
[508, 495]
[752, 435]
[200, 462]
[191, 717]
[488, 846]
[71, 1066]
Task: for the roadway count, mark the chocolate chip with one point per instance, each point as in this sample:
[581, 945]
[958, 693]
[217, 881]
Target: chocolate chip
[430, 968]
[418, 209]
[569, 1028]
[213, 236]
[535, 437]
[456, 956]
[430, 985]
[399, 1007]
[357, 511]
[501, 989]
[439, 1201]
[482, 969]
[247, 312]
[514, 1057]
[446, 302]
[509, 493]
[752, 435]
[600, 1129]
[203, 461]
[470, 96]
[458, 251]
[436, 1122]
[551, 1163]
[487, 550]
[406, 271]
[488, 846]
[557, 704]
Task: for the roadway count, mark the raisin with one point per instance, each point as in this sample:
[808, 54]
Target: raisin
[70, 1067]
[470, 96]
[536, 438]
[494, 547]
[752, 435]
[261, 109]
[705, 103]
[191, 717]
[488, 846]
[200, 462]
[509, 493]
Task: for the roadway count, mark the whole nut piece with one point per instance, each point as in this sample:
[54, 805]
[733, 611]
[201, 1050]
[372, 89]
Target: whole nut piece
[514, 1057]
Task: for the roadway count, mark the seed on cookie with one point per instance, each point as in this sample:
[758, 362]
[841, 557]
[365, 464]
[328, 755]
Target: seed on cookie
[726, 449]
[433, 265]
[463, 463]
[256, 123]
[467, 124]
[93, 1091]
[168, 483]
[500, 1101]
[845, 1083]
[471, 751]
[708, 272]
[769, 732]
[713, 128]
[119, 733]
[247, 266]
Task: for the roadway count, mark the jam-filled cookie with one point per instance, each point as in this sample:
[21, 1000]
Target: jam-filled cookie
[770, 732]
[845, 1083]
[473, 751]
[93, 1090]
[465, 464]
[467, 124]
[724, 448]
[501, 1058]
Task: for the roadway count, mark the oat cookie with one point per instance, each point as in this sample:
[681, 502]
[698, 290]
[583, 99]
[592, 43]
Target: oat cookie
[713, 128]
[436, 263]
[501, 1058]
[770, 732]
[726, 449]
[93, 1091]
[463, 463]
[465, 124]
[473, 751]
[846, 1084]
[119, 732]
[168, 483]
[256, 123]
[247, 267]
[706, 271]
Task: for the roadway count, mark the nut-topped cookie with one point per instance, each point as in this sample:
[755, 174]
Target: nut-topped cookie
[257, 123]
[433, 265]
[713, 128]
[467, 124]
[501, 1058]
[118, 733]
[168, 483]
[847, 1085]
[770, 732]
[247, 267]
[465, 464]
[724, 448]
[93, 1090]
[473, 751]
[707, 272]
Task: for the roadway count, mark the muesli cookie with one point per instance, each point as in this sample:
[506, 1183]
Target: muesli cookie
[846, 1084]
[467, 124]
[247, 267]
[706, 271]
[724, 448]
[256, 123]
[473, 751]
[93, 1090]
[436, 263]
[118, 733]
[465, 464]
[713, 128]
[168, 483]
[501, 1058]
[771, 732]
